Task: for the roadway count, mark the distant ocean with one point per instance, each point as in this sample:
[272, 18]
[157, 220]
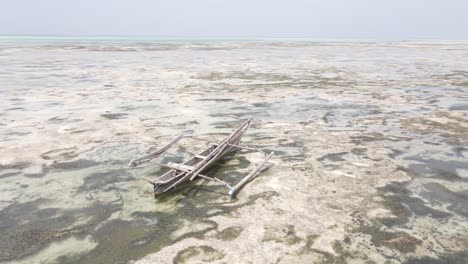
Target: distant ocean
[27, 38]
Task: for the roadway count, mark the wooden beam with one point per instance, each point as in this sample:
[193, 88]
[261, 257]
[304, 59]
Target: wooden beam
[233, 191]
[157, 153]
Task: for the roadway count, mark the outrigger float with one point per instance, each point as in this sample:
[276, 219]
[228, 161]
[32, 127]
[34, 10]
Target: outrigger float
[192, 168]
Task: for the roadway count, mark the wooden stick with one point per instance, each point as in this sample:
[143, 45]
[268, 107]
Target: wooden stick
[211, 157]
[197, 170]
[181, 172]
[231, 145]
[155, 154]
[170, 166]
[216, 180]
[233, 191]
[220, 148]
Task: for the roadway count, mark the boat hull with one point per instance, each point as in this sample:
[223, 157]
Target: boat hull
[172, 177]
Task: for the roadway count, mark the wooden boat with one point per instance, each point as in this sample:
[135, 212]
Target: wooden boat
[192, 168]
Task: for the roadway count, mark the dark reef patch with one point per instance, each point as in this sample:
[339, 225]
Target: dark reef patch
[439, 169]
[102, 179]
[460, 151]
[334, 157]
[203, 254]
[9, 174]
[215, 99]
[15, 166]
[286, 234]
[400, 241]
[75, 165]
[375, 137]
[60, 154]
[229, 233]
[459, 107]
[395, 153]
[142, 239]
[38, 227]
[359, 151]
[449, 258]
[397, 198]
[112, 116]
[438, 194]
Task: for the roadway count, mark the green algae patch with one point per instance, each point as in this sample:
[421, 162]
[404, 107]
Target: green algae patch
[449, 126]
[230, 233]
[400, 241]
[398, 200]
[285, 234]
[342, 254]
[452, 258]
[246, 76]
[112, 116]
[310, 240]
[334, 157]
[198, 254]
[122, 241]
[40, 227]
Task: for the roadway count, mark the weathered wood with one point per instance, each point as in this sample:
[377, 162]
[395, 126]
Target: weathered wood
[172, 165]
[156, 153]
[192, 168]
[233, 191]
[230, 145]
[216, 153]
[204, 163]
[199, 167]
[216, 180]
[222, 146]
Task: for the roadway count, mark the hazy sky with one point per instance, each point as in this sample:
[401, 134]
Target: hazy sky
[375, 19]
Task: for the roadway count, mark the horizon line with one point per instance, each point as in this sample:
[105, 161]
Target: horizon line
[38, 36]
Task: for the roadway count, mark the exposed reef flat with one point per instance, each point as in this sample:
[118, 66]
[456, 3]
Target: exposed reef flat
[371, 142]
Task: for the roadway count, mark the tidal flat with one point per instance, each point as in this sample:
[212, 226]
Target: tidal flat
[371, 143]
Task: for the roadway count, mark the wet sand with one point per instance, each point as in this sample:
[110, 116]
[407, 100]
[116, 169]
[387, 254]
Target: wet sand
[371, 143]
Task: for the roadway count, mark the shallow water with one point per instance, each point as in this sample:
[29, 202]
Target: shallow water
[370, 141]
